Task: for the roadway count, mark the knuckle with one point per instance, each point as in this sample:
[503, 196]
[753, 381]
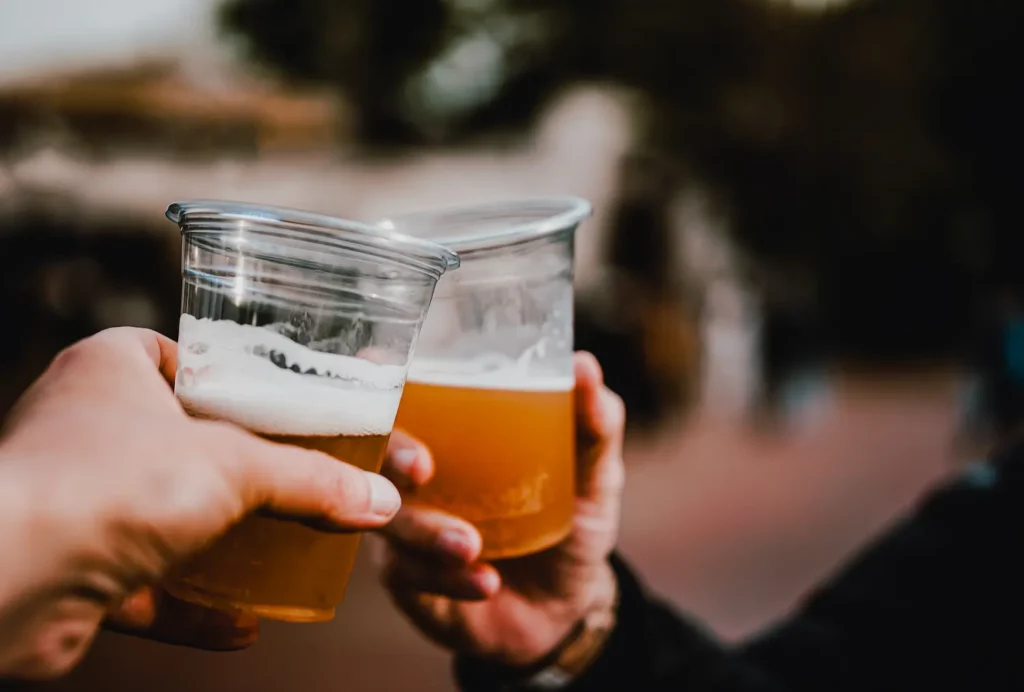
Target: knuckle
[606, 481]
[74, 353]
[99, 345]
[614, 477]
[129, 334]
[112, 337]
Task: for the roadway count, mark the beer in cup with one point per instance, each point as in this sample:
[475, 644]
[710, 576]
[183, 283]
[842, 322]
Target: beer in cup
[299, 328]
[490, 389]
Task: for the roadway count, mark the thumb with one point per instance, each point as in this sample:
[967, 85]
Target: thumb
[600, 427]
[600, 472]
[303, 484]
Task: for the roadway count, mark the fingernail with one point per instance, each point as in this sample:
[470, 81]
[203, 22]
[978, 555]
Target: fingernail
[384, 498]
[140, 601]
[487, 581]
[403, 459]
[455, 542]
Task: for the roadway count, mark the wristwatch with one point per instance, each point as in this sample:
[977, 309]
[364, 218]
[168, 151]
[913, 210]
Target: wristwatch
[576, 653]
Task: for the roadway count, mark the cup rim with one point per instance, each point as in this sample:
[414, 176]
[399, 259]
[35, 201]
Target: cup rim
[566, 213]
[205, 215]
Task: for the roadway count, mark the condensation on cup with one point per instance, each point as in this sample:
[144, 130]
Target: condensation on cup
[298, 328]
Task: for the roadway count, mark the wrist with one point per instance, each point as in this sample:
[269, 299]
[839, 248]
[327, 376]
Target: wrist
[585, 642]
[584, 627]
[592, 589]
[598, 595]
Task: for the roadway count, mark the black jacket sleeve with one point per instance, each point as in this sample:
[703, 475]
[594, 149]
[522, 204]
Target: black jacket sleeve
[937, 604]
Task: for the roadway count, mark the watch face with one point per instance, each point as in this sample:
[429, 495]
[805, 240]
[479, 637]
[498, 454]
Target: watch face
[550, 679]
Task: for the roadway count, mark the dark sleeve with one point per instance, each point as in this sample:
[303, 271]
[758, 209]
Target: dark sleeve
[935, 605]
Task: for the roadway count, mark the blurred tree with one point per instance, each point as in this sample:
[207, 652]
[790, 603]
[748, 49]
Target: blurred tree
[417, 71]
[364, 48]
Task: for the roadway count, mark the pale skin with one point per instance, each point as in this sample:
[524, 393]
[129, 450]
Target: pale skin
[105, 483]
[518, 611]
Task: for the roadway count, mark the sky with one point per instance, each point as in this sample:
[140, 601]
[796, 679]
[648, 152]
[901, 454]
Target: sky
[37, 36]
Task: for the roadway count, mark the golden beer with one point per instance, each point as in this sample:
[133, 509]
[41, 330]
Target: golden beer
[267, 566]
[504, 450]
[279, 569]
[490, 388]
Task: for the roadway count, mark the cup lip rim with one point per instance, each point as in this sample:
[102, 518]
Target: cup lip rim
[573, 211]
[318, 227]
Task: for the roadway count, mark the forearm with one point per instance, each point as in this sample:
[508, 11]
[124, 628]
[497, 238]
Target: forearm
[16, 566]
[14, 538]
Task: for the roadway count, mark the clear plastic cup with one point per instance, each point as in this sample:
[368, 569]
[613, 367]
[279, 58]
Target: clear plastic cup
[299, 328]
[490, 390]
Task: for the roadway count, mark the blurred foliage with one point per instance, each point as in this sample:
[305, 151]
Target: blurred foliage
[864, 155]
[870, 147]
[418, 71]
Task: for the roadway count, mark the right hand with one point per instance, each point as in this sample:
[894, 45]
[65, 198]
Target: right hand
[516, 612]
[105, 483]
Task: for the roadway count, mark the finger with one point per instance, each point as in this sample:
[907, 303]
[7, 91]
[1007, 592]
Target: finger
[161, 351]
[600, 471]
[164, 353]
[408, 462]
[435, 533]
[601, 421]
[155, 614]
[300, 483]
[408, 571]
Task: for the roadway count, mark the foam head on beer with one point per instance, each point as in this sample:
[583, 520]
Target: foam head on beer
[258, 378]
[489, 371]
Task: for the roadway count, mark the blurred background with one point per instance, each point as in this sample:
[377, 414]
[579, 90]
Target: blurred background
[800, 274]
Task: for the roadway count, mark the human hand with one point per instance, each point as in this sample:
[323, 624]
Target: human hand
[105, 483]
[517, 611]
